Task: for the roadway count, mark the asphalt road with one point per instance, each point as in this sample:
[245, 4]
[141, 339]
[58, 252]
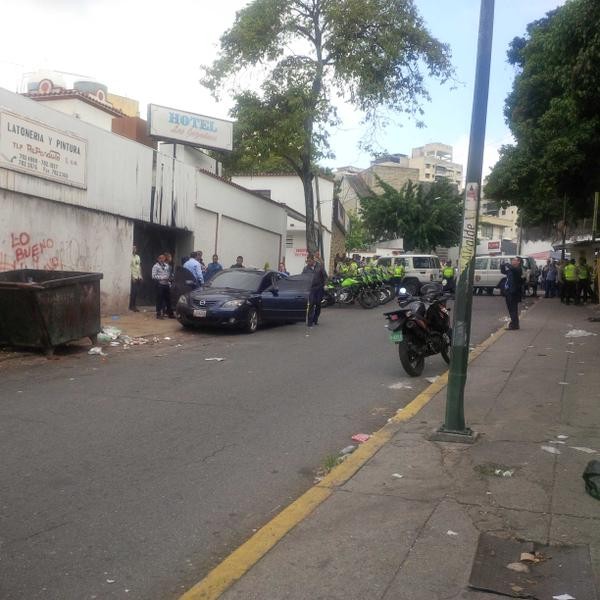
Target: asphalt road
[131, 477]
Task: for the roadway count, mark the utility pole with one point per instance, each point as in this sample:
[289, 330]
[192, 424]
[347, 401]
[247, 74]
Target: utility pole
[454, 428]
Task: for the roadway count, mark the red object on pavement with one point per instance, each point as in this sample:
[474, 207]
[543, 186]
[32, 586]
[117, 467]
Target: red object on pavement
[361, 437]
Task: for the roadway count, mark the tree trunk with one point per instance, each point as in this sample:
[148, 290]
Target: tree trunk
[311, 234]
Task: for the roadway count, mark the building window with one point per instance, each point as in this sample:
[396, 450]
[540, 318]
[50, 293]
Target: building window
[487, 231]
[426, 175]
[289, 242]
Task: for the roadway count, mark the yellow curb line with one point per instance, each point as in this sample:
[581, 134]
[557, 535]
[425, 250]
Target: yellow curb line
[225, 574]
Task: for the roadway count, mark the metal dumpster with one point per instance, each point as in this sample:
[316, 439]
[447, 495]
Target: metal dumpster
[43, 309]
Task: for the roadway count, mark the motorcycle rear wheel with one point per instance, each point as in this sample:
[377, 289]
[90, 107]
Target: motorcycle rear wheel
[412, 362]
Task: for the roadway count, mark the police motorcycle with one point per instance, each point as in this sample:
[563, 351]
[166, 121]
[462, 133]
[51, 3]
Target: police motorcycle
[421, 327]
[347, 288]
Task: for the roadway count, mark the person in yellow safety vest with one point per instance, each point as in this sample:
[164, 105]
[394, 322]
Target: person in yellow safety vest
[569, 287]
[352, 269]
[583, 282]
[398, 277]
[448, 275]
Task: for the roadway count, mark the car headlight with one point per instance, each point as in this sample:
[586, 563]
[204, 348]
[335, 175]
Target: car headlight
[182, 300]
[233, 303]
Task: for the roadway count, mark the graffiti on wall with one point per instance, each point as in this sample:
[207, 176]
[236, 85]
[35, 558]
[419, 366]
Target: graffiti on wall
[24, 250]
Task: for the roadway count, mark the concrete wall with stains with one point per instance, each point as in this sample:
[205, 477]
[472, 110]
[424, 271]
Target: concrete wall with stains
[35, 234]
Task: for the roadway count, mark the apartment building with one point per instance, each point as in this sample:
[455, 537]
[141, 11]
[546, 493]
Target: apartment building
[434, 161]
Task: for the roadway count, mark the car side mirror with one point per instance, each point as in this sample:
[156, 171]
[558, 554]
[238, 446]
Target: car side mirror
[274, 291]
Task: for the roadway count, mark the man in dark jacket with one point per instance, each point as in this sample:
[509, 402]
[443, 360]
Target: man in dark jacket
[319, 277]
[512, 290]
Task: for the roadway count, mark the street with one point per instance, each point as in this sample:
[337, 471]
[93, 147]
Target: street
[132, 477]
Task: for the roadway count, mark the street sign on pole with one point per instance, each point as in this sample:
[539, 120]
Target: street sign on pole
[454, 428]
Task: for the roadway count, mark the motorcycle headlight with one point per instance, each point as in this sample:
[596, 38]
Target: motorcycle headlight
[233, 303]
[182, 300]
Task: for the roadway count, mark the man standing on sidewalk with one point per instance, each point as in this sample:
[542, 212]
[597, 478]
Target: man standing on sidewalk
[319, 277]
[136, 278]
[161, 275]
[512, 290]
[195, 268]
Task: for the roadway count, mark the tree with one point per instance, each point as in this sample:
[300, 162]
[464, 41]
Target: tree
[424, 215]
[357, 237]
[373, 53]
[553, 114]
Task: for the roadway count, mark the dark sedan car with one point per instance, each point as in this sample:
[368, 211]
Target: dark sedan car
[244, 298]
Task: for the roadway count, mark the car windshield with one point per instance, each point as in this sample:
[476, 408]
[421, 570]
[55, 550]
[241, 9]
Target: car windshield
[238, 279]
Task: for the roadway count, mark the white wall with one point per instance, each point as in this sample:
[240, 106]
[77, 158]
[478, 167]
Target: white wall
[81, 110]
[119, 171]
[190, 156]
[37, 234]
[288, 189]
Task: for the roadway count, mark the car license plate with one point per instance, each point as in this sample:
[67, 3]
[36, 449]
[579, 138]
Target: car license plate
[200, 312]
[396, 336]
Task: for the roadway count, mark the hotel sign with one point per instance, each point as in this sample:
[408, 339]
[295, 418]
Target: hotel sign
[189, 128]
[36, 149]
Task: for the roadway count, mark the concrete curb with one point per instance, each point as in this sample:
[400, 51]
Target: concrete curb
[241, 560]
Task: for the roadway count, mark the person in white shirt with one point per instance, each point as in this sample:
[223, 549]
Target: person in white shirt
[136, 278]
[161, 275]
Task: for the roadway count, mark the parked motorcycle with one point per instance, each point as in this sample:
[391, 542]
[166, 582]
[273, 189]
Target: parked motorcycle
[345, 289]
[421, 327]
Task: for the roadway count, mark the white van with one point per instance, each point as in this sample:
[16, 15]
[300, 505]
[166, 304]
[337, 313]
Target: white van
[418, 269]
[488, 276]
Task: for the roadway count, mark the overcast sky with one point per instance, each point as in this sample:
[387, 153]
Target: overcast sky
[151, 50]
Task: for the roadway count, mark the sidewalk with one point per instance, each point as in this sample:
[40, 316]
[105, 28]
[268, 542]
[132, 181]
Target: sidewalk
[142, 324]
[378, 535]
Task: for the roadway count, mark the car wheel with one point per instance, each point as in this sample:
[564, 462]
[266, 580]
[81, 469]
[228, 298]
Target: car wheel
[251, 321]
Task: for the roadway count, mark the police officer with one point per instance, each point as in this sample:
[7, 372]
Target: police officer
[448, 275]
[569, 288]
[583, 282]
[398, 276]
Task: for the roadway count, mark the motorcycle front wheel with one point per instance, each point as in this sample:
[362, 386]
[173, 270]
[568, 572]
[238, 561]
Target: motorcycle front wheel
[368, 299]
[445, 352]
[412, 362]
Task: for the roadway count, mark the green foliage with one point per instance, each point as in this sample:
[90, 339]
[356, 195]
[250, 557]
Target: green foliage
[296, 54]
[357, 237]
[553, 114]
[424, 215]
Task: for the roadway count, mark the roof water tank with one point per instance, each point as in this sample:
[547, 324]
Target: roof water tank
[92, 87]
[44, 81]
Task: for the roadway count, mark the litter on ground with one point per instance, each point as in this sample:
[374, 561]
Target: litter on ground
[562, 436]
[400, 386]
[575, 333]
[431, 379]
[348, 450]
[215, 358]
[583, 449]
[518, 567]
[450, 532]
[563, 383]
[397, 475]
[551, 449]
[97, 350]
[360, 437]
[563, 597]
